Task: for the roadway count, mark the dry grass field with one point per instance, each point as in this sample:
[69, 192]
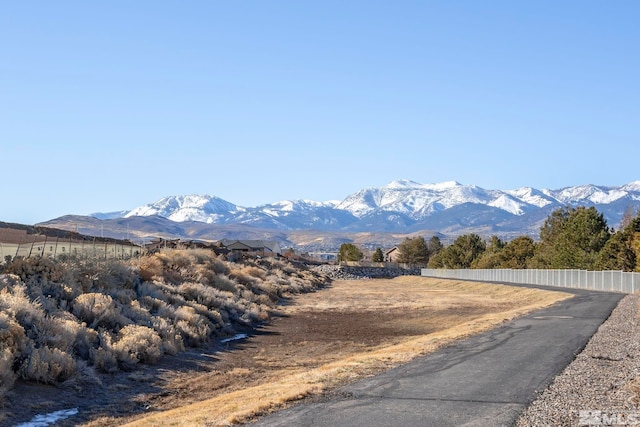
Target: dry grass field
[322, 340]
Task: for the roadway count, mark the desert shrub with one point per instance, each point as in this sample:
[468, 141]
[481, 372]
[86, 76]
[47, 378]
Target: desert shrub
[65, 315]
[48, 365]
[9, 281]
[240, 276]
[219, 266]
[86, 340]
[137, 344]
[138, 314]
[194, 328]
[255, 272]
[265, 299]
[12, 335]
[115, 275]
[99, 310]
[153, 305]
[150, 267]
[172, 341]
[194, 292]
[152, 290]
[61, 292]
[174, 259]
[213, 315]
[104, 357]
[13, 342]
[209, 298]
[123, 296]
[201, 274]
[88, 307]
[60, 333]
[7, 376]
[36, 268]
[224, 283]
[28, 314]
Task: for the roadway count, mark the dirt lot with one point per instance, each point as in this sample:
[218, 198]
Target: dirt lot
[316, 342]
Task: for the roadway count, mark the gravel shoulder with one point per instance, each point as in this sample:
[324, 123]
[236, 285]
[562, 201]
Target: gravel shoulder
[600, 387]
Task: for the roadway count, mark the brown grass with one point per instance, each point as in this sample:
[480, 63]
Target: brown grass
[459, 309]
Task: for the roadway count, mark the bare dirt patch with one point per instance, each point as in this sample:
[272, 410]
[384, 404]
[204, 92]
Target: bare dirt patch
[316, 342]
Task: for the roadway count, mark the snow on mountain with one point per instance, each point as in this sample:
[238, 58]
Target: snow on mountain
[589, 193]
[203, 208]
[507, 203]
[532, 196]
[109, 215]
[400, 205]
[420, 200]
[631, 187]
[287, 206]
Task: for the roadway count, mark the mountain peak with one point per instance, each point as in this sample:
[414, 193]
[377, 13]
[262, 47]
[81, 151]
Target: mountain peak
[402, 183]
[444, 185]
[401, 205]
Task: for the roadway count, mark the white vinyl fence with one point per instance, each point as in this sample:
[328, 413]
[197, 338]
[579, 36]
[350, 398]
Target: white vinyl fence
[610, 281]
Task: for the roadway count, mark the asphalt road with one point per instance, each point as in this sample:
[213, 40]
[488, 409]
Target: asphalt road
[486, 380]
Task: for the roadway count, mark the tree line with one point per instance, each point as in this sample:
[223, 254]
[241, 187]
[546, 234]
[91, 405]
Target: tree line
[570, 238]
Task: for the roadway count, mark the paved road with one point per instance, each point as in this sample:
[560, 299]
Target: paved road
[486, 380]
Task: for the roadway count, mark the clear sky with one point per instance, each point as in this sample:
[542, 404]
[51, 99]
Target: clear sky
[111, 105]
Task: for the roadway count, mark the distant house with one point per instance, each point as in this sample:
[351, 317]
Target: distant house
[392, 254]
[254, 247]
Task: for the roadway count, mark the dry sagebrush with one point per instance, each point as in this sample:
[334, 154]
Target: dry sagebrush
[61, 320]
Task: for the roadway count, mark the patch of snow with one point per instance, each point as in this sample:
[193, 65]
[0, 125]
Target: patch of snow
[446, 185]
[508, 204]
[402, 183]
[531, 196]
[632, 186]
[236, 337]
[47, 419]
[602, 197]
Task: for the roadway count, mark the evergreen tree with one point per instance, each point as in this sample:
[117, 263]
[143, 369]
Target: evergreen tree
[349, 252]
[461, 254]
[518, 252]
[434, 246]
[413, 251]
[571, 238]
[378, 256]
[617, 254]
[622, 251]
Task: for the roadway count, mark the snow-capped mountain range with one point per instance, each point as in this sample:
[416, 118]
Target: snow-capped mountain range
[403, 206]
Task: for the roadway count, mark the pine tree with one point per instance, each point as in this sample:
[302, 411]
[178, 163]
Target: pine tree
[378, 256]
[349, 252]
[413, 251]
[571, 238]
[461, 254]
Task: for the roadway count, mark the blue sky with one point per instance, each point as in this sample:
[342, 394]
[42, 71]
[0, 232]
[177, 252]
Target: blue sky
[111, 105]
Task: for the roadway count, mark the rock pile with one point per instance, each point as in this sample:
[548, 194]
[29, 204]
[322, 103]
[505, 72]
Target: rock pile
[341, 272]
